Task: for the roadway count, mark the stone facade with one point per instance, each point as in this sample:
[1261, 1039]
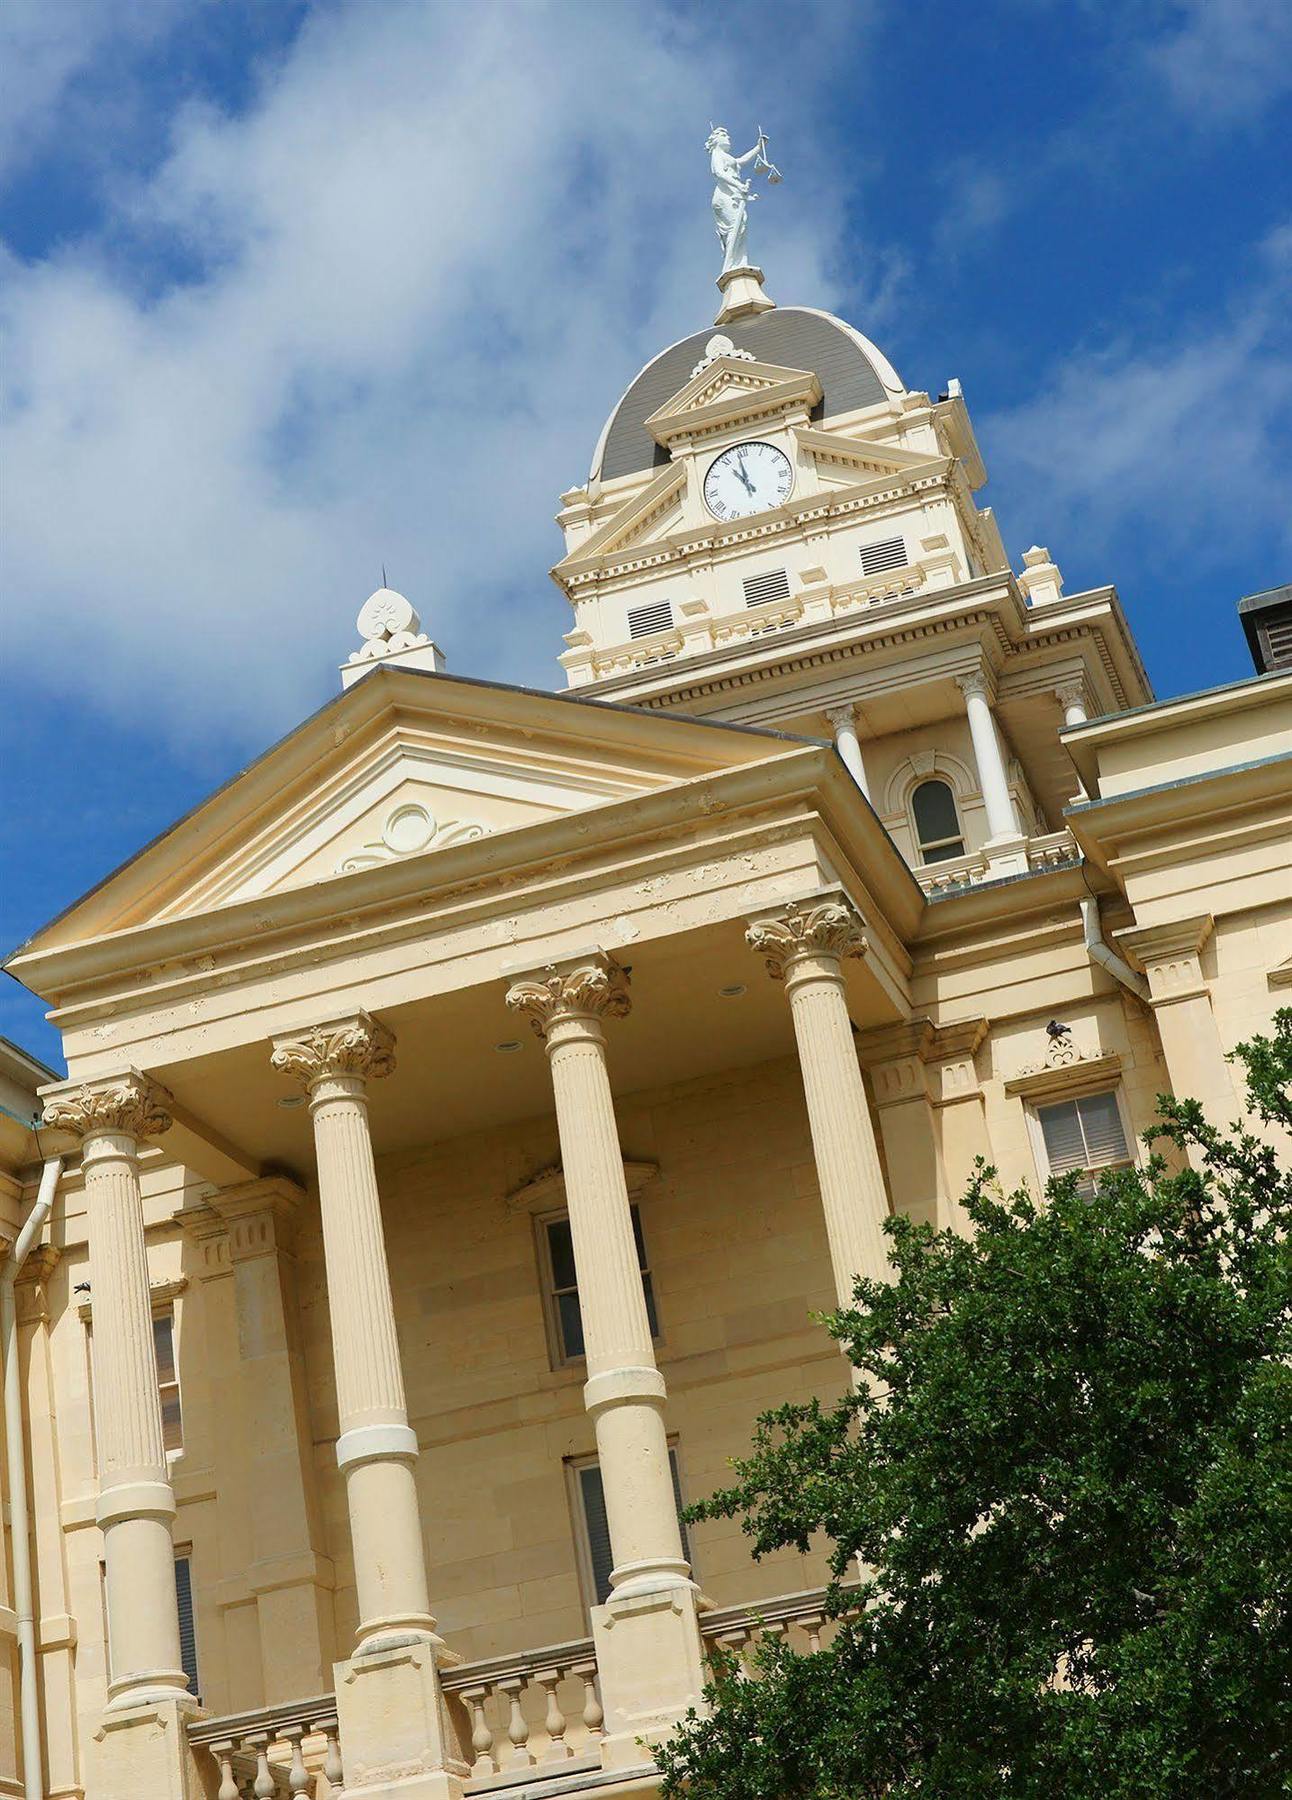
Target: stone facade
[469, 1107]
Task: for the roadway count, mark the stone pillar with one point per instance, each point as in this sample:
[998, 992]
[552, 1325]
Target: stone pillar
[804, 945]
[843, 722]
[1002, 825]
[279, 1618]
[142, 1745]
[1171, 957]
[648, 1641]
[1071, 696]
[395, 1731]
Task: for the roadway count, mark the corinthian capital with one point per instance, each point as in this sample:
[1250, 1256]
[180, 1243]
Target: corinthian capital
[974, 681]
[130, 1105]
[359, 1045]
[595, 986]
[828, 925]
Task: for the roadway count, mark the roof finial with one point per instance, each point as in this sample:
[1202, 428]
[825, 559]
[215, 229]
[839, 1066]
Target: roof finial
[740, 283]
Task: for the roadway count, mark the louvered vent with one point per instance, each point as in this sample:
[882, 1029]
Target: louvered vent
[644, 620]
[1278, 640]
[759, 589]
[890, 554]
[187, 1630]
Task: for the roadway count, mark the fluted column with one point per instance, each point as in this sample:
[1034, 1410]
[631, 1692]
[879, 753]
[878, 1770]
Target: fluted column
[804, 945]
[843, 722]
[376, 1448]
[566, 1004]
[1001, 820]
[136, 1505]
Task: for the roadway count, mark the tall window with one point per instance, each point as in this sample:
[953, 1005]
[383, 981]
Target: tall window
[187, 1627]
[937, 824]
[561, 1287]
[594, 1532]
[1086, 1134]
[168, 1379]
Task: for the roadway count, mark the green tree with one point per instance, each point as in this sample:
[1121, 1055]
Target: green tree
[1067, 1472]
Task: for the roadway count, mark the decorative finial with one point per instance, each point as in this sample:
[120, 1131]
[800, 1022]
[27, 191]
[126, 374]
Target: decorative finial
[740, 283]
[391, 632]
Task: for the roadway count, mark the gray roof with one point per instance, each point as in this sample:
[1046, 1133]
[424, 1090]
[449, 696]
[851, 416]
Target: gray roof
[792, 336]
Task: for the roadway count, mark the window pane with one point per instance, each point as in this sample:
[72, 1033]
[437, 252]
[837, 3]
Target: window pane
[642, 1261]
[187, 1630]
[593, 1497]
[1102, 1124]
[1064, 1145]
[560, 1247]
[934, 807]
[649, 1292]
[164, 1344]
[677, 1501]
[942, 852]
[570, 1323]
[172, 1419]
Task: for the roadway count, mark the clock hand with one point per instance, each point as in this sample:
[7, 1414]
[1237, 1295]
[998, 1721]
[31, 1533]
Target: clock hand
[740, 471]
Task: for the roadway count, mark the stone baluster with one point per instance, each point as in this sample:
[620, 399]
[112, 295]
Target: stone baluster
[649, 1624]
[482, 1733]
[329, 1730]
[843, 722]
[735, 1644]
[517, 1724]
[813, 1624]
[554, 1720]
[136, 1505]
[298, 1777]
[804, 945]
[593, 1715]
[222, 1755]
[264, 1787]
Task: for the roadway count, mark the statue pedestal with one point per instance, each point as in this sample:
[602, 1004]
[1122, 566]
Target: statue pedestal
[742, 294]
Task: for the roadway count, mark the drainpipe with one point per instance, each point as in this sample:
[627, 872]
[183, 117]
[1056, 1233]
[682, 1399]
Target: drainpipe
[1104, 954]
[15, 1455]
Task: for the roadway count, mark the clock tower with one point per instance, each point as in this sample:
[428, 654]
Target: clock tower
[776, 530]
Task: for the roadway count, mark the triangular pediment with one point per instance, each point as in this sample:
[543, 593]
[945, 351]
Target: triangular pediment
[729, 389]
[402, 765]
[854, 458]
[649, 514]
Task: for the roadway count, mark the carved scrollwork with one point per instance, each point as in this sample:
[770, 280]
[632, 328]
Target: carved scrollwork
[806, 929]
[128, 1104]
[597, 989]
[361, 1045]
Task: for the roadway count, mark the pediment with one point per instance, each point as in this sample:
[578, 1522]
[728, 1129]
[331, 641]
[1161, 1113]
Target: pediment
[651, 513]
[403, 765]
[729, 388]
[850, 458]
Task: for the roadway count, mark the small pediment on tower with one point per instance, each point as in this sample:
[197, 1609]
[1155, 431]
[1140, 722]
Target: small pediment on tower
[729, 387]
[857, 458]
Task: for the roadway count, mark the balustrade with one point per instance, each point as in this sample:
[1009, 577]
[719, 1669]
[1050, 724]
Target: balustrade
[799, 1620]
[292, 1750]
[538, 1711]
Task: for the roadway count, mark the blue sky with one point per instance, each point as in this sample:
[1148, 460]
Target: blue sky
[290, 290]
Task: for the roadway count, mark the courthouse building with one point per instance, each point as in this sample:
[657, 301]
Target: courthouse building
[470, 1104]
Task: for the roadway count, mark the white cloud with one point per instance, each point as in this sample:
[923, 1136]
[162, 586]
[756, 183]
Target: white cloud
[429, 257]
[1182, 444]
[1226, 60]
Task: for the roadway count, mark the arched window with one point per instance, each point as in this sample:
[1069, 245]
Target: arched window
[937, 825]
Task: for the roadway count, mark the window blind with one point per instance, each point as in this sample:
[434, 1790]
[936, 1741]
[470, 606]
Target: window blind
[187, 1628]
[1083, 1134]
[889, 553]
[645, 620]
[774, 585]
[592, 1498]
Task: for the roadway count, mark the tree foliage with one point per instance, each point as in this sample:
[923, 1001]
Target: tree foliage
[1067, 1473]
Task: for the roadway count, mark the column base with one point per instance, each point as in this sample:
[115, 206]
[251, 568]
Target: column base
[142, 1753]
[651, 1661]
[397, 1737]
[1006, 856]
[742, 294]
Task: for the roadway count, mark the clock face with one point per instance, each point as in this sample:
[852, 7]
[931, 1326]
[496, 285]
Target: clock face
[746, 479]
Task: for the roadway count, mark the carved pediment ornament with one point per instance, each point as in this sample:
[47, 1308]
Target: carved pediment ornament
[129, 1105]
[409, 829]
[597, 989]
[360, 1045]
[806, 929]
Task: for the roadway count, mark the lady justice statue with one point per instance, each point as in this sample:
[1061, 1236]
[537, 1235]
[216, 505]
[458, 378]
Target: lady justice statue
[731, 195]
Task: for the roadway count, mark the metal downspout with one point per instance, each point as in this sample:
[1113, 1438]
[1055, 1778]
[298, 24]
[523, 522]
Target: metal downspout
[1102, 953]
[33, 1786]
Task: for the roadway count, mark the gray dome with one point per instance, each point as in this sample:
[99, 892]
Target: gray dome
[852, 373]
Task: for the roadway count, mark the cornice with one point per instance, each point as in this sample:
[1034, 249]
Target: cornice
[160, 1293]
[1084, 1073]
[545, 1190]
